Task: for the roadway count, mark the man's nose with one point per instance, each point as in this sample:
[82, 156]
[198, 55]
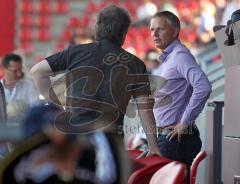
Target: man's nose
[155, 33]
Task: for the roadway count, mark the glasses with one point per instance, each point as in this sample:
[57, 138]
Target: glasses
[14, 71]
[18, 72]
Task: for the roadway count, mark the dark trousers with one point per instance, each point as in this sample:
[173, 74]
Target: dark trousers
[185, 151]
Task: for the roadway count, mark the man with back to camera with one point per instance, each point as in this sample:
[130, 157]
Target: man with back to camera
[113, 77]
[178, 101]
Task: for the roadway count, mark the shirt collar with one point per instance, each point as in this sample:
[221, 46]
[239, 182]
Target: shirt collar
[168, 50]
[16, 83]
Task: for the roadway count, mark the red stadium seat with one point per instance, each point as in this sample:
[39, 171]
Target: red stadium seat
[172, 173]
[26, 47]
[60, 46]
[200, 156]
[26, 6]
[102, 4]
[43, 35]
[44, 7]
[130, 7]
[26, 20]
[133, 154]
[43, 21]
[144, 174]
[216, 58]
[67, 35]
[73, 21]
[129, 142]
[61, 7]
[91, 7]
[84, 21]
[153, 160]
[25, 35]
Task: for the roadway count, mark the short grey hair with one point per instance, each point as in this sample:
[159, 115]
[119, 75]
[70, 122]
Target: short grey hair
[172, 19]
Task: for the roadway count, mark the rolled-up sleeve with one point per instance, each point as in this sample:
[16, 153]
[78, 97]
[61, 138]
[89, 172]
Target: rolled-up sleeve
[142, 84]
[58, 61]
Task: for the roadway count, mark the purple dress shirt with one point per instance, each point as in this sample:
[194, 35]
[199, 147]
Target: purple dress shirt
[183, 88]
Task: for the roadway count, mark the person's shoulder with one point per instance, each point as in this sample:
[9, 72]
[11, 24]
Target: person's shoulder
[181, 48]
[181, 51]
[183, 56]
[82, 46]
[80, 50]
[129, 57]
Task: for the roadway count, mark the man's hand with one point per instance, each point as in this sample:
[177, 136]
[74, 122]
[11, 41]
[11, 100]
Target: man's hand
[154, 150]
[178, 131]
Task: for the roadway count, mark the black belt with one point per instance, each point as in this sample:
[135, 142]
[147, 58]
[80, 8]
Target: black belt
[166, 130]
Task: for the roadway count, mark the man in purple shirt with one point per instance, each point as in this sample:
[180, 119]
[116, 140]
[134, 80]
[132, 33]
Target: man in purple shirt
[181, 94]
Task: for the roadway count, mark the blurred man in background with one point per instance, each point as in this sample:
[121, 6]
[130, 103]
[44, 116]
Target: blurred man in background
[17, 93]
[20, 94]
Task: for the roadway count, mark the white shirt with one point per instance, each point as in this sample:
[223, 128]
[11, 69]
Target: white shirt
[23, 95]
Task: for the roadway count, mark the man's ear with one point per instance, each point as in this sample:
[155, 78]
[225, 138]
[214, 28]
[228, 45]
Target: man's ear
[176, 32]
[124, 34]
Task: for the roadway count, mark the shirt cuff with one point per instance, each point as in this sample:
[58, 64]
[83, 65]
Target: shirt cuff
[186, 120]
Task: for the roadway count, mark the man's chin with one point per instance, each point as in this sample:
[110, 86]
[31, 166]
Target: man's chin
[159, 46]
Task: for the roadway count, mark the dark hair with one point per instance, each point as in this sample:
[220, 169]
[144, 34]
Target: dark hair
[172, 19]
[10, 57]
[112, 24]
